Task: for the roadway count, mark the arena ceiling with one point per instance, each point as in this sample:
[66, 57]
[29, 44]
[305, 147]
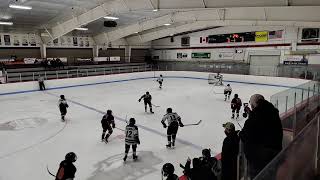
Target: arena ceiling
[144, 19]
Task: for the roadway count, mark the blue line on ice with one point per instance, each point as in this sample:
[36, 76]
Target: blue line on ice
[132, 79]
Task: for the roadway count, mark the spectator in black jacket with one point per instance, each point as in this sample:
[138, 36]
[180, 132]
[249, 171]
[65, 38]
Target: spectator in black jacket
[196, 171]
[261, 134]
[230, 149]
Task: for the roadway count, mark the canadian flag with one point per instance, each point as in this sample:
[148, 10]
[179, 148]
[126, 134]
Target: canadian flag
[203, 39]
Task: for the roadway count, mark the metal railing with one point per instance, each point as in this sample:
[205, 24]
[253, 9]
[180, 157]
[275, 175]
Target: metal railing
[73, 73]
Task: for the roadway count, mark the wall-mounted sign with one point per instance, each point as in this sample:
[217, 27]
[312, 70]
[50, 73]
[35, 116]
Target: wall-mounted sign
[275, 34]
[7, 41]
[32, 40]
[25, 40]
[75, 41]
[295, 60]
[201, 55]
[261, 36]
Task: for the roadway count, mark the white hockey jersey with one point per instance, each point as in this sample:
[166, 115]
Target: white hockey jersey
[132, 135]
[228, 88]
[171, 117]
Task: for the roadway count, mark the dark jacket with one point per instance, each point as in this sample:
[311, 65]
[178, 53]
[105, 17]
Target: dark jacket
[209, 167]
[172, 177]
[230, 149]
[66, 170]
[262, 134]
[107, 121]
[194, 173]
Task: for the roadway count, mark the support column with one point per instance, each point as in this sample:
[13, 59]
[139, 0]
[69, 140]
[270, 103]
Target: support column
[43, 50]
[128, 54]
[95, 51]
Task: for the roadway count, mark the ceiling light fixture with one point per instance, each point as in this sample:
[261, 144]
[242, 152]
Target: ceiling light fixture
[136, 32]
[15, 6]
[81, 29]
[6, 23]
[111, 17]
[167, 24]
[155, 10]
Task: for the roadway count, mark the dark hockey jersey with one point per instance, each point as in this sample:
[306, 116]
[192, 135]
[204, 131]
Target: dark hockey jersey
[107, 120]
[66, 171]
[146, 97]
[236, 103]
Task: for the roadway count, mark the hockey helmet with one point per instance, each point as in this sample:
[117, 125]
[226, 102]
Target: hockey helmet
[228, 84]
[132, 121]
[62, 97]
[169, 110]
[160, 75]
[109, 112]
[167, 169]
[236, 95]
[206, 153]
[71, 156]
[147, 92]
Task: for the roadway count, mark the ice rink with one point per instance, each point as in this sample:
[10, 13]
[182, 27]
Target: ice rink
[32, 135]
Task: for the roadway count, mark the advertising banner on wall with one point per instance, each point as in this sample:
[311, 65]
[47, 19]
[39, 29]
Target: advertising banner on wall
[295, 60]
[32, 39]
[25, 40]
[201, 55]
[87, 42]
[69, 41]
[101, 59]
[81, 42]
[63, 59]
[261, 36]
[115, 58]
[16, 40]
[182, 55]
[275, 34]
[226, 55]
[56, 42]
[7, 41]
[75, 41]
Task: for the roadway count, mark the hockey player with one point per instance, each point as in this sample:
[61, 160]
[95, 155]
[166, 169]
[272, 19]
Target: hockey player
[107, 123]
[66, 169]
[236, 105]
[174, 121]
[63, 105]
[227, 92]
[168, 171]
[160, 81]
[131, 139]
[147, 101]
[220, 78]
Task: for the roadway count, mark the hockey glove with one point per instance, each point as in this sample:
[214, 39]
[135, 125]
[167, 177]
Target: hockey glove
[181, 125]
[164, 126]
[139, 100]
[113, 126]
[138, 141]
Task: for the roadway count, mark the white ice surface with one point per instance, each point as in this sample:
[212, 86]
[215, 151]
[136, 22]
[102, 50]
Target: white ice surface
[38, 138]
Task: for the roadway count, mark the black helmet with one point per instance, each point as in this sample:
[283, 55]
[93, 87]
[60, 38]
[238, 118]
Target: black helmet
[71, 156]
[236, 96]
[132, 121]
[206, 153]
[228, 84]
[109, 112]
[62, 97]
[160, 75]
[169, 110]
[147, 92]
[167, 169]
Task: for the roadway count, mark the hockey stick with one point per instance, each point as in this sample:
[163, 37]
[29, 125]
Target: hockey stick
[50, 172]
[195, 124]
[155, 105]
[120, 129]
